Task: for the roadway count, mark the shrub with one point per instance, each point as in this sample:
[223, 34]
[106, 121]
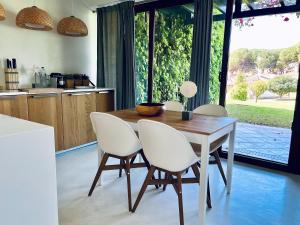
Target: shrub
[258, 88]
[173, 48]
[283, 85]
[240, 89]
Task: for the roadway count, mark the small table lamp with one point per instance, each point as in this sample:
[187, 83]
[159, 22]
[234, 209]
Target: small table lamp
[188, 89]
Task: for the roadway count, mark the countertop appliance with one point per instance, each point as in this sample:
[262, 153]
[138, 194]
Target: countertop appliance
[70, 81]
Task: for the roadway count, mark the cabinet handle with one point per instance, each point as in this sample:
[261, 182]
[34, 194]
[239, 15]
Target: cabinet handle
[103, 92]
[78, 94]
[8, 96]
[44, 95]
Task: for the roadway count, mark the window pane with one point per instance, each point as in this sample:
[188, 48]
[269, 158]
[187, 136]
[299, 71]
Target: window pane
[216, 60]
[262, 85]
[172, 52]
[141, 55]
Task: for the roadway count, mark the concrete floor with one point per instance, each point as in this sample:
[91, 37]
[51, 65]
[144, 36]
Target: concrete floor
[259, 197]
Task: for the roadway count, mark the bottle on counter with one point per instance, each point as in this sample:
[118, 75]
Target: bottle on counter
[37, 81]
[44, 77]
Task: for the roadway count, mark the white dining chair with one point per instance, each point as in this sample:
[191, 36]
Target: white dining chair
[167, 150]
[173, 106]
[117, 140]
[213, 110]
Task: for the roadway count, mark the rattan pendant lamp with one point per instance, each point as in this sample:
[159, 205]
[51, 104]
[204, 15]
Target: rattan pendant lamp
[2, 13]
[72, 26]
[34, 18]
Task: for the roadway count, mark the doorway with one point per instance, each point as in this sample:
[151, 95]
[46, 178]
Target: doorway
[260, 88]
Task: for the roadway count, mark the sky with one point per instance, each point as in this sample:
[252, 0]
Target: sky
[267, 32]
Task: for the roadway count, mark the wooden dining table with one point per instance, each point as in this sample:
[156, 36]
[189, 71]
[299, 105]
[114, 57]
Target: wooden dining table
[201, 129]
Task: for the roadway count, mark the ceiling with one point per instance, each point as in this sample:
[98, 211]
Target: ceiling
[93, 4]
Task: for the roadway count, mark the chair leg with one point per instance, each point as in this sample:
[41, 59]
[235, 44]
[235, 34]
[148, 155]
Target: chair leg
[144, 159]
[120, 170]
[166, 178]
[208, 201]
[98, 174]
[128, 183]
[144, 187]
[132, 159]
[147, 165]
[180, 204]
[159, 177]
[218, 160]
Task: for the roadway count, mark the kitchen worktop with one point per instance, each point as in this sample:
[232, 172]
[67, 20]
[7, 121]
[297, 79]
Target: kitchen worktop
[8, 93]
[33, 91]
[87, 90]
[28, 173]
[12, 126]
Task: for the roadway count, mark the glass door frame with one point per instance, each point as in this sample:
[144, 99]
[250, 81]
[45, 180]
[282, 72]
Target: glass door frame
[233, 11]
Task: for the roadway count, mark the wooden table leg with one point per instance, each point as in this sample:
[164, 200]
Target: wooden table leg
[230, 158]
[203, 179]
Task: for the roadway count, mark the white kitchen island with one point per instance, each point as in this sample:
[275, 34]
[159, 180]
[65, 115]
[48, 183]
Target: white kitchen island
[28, 191]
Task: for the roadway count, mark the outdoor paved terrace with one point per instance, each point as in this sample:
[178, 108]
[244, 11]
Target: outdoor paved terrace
[271, 143]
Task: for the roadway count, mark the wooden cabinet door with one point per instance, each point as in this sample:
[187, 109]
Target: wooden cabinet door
[105, 101]
[15, 106]
[46, 109]
[76, 118]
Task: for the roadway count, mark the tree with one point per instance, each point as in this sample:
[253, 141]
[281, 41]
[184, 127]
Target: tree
[240, 89]
[258, 88]
[242, 60]
[287, 56]
[283, 85]
[266, 59]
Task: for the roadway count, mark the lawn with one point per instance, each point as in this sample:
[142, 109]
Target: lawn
[277, 113]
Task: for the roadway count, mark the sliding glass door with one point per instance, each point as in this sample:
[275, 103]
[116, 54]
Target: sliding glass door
[259, 86]
[249, 83]
[172, 50]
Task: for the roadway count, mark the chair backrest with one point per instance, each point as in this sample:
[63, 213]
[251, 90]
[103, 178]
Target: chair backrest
[211, 110]
[114, 135]
[173, 106]
[165, 147]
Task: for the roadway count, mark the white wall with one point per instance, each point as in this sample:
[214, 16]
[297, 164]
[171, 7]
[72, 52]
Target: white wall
[55, 52]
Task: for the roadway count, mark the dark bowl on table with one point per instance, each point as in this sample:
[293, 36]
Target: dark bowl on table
[150, 109]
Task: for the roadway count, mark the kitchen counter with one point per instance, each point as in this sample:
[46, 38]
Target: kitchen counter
[33, 91]
[68, 111]
[11, 93]
[28, 173]
[87, 90]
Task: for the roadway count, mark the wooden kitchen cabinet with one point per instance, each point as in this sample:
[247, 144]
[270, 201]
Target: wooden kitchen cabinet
[105, 101]
[46, 109]
[14, 105]
[77, 107]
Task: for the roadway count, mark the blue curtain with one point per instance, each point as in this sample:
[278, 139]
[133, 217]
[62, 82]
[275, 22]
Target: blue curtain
[115, 52]
[200, 63]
